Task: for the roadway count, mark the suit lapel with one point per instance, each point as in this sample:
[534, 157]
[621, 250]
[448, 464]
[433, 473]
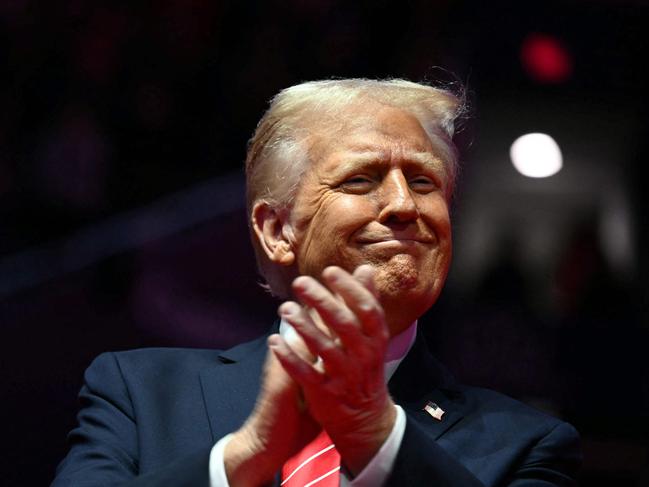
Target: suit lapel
[419, 379]
[435, 428]
[231, 386]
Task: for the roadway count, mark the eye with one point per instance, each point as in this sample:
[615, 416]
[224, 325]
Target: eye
[423, 184]
[357, 184]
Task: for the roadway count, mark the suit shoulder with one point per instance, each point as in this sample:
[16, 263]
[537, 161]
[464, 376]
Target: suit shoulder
[497, 406]
[191, 356]
[166, 353]
[164, 361]
[155, 363]
[149, 363]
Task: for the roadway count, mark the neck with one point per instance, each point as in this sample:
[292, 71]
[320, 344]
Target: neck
[400, 344]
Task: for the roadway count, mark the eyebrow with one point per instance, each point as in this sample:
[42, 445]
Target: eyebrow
[361, 155]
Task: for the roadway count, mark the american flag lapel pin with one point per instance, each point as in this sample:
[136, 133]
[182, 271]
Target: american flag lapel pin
[434, 410]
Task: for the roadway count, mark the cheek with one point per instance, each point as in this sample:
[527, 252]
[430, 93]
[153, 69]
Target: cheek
[341, 217]
[445, 237]
[445, 233]
[357, 204]
[327, 235]
[436, 217]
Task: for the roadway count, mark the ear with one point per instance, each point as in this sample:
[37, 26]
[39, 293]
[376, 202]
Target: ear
[273, 233]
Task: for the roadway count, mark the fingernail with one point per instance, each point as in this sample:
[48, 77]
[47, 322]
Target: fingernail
[366, 268]
[286, 309]
[331, 273]
[299, 283]
[273, 341]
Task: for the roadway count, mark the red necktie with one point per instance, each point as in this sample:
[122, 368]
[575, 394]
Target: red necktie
[318, 464]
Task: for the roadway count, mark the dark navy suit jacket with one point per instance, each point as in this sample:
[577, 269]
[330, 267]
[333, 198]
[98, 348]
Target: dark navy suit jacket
[150, 417]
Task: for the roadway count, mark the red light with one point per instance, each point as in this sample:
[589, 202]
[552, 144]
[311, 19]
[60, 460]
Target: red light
[545, 59]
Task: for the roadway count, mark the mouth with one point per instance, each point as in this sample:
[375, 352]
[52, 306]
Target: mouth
[394, 238]
[394, 241]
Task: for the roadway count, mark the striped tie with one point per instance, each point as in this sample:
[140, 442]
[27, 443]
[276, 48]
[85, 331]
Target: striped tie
[317, 464]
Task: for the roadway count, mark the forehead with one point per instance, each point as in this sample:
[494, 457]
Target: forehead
[375, 132]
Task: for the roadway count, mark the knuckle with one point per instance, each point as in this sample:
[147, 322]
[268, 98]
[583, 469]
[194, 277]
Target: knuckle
[371, 308]
[344, 318]
[328, 348]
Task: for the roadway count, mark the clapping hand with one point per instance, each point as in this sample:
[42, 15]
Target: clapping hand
[342, 380]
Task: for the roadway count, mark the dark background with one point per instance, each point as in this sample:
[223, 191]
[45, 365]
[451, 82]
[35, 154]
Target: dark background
[122, 134]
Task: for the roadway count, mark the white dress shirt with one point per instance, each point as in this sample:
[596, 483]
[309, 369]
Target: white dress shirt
[377, 470]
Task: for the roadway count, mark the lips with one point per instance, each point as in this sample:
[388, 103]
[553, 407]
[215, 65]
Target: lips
[404, 233]
[372, 239]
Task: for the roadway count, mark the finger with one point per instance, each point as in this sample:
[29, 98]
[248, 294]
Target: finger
[318, 342]
[333, 311]
[300, 371]
[358, 298]
[366, 274]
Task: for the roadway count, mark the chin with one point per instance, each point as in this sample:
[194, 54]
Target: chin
[401, 273]
[415, 297]
[405, 281]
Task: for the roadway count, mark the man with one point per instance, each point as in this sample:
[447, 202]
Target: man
[348, 190]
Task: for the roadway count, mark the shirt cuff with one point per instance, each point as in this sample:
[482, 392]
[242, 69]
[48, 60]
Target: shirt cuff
[378, 470]
[218, 478]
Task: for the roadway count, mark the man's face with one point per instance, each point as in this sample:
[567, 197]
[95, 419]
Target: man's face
[375, 194]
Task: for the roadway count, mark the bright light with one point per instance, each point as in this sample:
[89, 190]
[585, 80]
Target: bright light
[536, 155]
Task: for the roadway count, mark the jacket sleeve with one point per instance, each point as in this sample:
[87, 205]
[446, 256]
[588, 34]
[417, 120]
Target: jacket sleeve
[104, 446]
[553, 461]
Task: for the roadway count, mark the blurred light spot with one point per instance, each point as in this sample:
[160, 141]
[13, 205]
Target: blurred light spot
[536, 155]
[545, 59]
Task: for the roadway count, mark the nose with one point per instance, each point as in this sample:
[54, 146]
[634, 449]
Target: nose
[396, 199]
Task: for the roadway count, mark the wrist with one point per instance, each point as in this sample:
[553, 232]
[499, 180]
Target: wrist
[245, 461]
[357, 446]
